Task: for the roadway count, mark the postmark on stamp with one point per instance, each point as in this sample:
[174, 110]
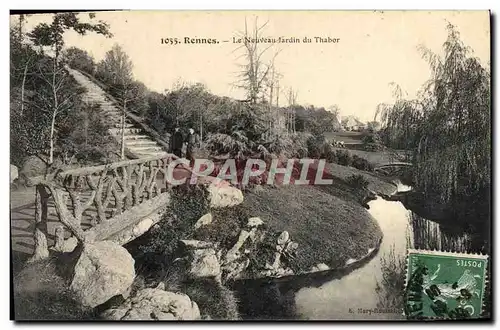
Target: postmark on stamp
[444, 285]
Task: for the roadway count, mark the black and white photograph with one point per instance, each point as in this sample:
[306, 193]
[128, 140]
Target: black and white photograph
[251, 165]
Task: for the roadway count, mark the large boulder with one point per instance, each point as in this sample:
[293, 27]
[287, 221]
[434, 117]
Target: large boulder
[203, 221]
[33, 166]
[223, 195]
[14, 173]
[103, 270]
[155, 304]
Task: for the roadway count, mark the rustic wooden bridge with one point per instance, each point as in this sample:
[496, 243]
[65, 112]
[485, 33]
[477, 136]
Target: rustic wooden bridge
[119, 202]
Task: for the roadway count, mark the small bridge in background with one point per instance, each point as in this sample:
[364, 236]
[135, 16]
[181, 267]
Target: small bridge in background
[392, 168]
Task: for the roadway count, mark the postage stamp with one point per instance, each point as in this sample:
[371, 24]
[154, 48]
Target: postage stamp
[444, 285]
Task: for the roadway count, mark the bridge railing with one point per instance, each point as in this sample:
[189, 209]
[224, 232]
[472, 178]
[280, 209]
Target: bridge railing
[97, 196]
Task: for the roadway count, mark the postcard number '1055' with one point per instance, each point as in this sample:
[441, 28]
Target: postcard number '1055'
[469, 263]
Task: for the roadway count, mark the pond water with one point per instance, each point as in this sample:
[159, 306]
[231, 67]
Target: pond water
[372, 291]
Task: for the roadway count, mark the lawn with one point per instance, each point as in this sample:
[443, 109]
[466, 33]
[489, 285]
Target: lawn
[347, 137]
[327, 222]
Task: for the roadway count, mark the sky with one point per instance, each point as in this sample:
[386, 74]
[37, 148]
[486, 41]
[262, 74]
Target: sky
[373, 50]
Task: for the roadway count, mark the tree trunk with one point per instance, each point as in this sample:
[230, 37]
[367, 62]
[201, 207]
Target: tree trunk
[41, 250]
[54, 114]
[52, 128]
[201, 130]
[22, 85]
[122, 154]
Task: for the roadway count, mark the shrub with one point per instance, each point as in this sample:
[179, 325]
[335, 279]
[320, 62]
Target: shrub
[236, 144]
[357, 181]
[214, 300]
[41, 293]
[188, 204]
[225, 227]
[361, 163]
[343, 157]
[315, 146]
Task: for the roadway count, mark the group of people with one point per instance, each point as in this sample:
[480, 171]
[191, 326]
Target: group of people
[178, 140]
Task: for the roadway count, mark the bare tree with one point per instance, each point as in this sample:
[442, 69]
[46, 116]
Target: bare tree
[255, 71]
[45, 35]
[116, 67]
[55, 101]
[292, 101]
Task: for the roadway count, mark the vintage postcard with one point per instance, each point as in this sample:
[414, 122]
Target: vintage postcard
[250, 165]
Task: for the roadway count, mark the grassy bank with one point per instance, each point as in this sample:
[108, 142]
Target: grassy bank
[328, 222]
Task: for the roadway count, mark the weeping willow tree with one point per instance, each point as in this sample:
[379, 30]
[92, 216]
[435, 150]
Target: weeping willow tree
[447, 126]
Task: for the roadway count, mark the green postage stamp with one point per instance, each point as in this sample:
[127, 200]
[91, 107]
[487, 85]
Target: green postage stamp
[444, 285]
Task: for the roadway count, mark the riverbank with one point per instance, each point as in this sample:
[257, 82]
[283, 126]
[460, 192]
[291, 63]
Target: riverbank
[329, 223]
[372, 282]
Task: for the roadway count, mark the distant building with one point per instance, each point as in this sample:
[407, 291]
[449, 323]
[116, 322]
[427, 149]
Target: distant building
[351, 123]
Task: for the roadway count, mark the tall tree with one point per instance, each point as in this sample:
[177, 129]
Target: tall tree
[292, 101]
[255, 71]
[116, 71]
[450, 120]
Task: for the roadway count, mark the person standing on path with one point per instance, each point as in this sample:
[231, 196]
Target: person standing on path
[176, 143]
[190, 142]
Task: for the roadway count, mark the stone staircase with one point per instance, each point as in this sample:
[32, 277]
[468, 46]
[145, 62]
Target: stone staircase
[138, 143]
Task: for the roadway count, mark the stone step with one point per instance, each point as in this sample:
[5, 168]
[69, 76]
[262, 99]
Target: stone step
[108, 107]
[145, 148]
[128, 131]
[150, 154]
[127, 125]
[136, 137]
[112, 114]
[140, 142]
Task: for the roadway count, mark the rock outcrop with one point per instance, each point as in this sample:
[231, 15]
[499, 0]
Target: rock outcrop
[204, 220]
[14, 173]
[224, 195]
[154, 304]
[204, 264]
[103, 270]
[256, 252]
[202, 259]
[285, 246]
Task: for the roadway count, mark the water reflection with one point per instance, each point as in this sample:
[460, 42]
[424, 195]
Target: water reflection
[372, 291]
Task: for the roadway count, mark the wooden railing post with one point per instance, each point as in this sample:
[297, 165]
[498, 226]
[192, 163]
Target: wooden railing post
[41, 250]
[59, 239]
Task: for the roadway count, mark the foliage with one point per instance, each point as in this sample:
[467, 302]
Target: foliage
[343, 157]
[214, 300]
[254, 75]
[85, 137]
[42, 93]
[52, 34]
[115, 69]
[357, 181]
[372, 141]
[189, 203]
[392, 282]
[314, 145]
[282, 144]
[41, 293]
[316, 120]
[449, 121]
[32, 123]
[361, 163]
[236, 145]
[225, 227]
[79, 59]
